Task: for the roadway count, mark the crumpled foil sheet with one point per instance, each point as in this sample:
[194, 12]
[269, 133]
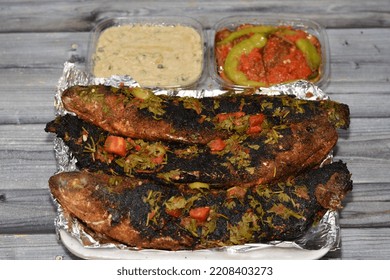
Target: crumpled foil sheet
[324, 235]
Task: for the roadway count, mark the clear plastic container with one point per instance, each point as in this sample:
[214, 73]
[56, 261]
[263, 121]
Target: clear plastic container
[158, 52]
[231, 23]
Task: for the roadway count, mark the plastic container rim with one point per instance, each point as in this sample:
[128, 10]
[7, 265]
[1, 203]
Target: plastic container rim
[106, 23]
[310, 26]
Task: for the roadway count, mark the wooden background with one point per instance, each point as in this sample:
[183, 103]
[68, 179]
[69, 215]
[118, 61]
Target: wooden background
[37, 37]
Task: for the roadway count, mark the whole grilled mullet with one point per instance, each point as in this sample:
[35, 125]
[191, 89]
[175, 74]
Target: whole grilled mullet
[143, 214]
[138, 113]
[275, 153]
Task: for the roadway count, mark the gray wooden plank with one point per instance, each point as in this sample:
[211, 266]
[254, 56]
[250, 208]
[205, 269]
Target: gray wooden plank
[367, 206]
[365, 244]
[27, 95]
[366, 214]
[42, 50]
[356, 244]
[356, 48]
[365, 102]
[27, 157]
[29, 138]
[365, 147]
[33, 247]
[28, 211]
[36, 72]
[33, 210]
[79, 15]
[26, 171]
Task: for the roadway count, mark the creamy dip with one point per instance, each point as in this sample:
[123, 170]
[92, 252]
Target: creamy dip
[154, 55]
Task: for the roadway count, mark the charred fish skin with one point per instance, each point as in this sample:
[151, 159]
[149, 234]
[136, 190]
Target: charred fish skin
[143, 214]
[189, 119]
[270, 156]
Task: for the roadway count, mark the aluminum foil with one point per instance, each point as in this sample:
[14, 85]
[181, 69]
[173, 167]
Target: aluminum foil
[324, 235]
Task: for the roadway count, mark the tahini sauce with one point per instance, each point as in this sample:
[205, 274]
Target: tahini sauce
[154, 55]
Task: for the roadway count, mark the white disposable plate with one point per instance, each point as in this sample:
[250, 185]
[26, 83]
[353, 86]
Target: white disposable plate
[281, 251]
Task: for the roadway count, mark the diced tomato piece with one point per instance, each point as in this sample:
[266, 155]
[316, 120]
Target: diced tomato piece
[255, 122]
[174, 212]
[151, 215]
[235, 115]
[253, 129]
[158, 160]
[200, 214]
[217, 145]
[115, 145]
[256, 119]
[237, 192]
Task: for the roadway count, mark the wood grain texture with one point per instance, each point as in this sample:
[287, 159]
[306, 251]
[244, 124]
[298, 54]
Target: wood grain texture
[33, 247]
[37, 37]
[26, 211]
[360, 244]
[59, 16]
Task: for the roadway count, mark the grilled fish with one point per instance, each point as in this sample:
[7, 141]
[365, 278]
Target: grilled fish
[275, 154]
[138, 113]
[143, 214]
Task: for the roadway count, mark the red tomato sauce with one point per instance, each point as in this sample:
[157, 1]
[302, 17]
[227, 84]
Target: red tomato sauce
[278, 61]
[253, 67]
[284, 62]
